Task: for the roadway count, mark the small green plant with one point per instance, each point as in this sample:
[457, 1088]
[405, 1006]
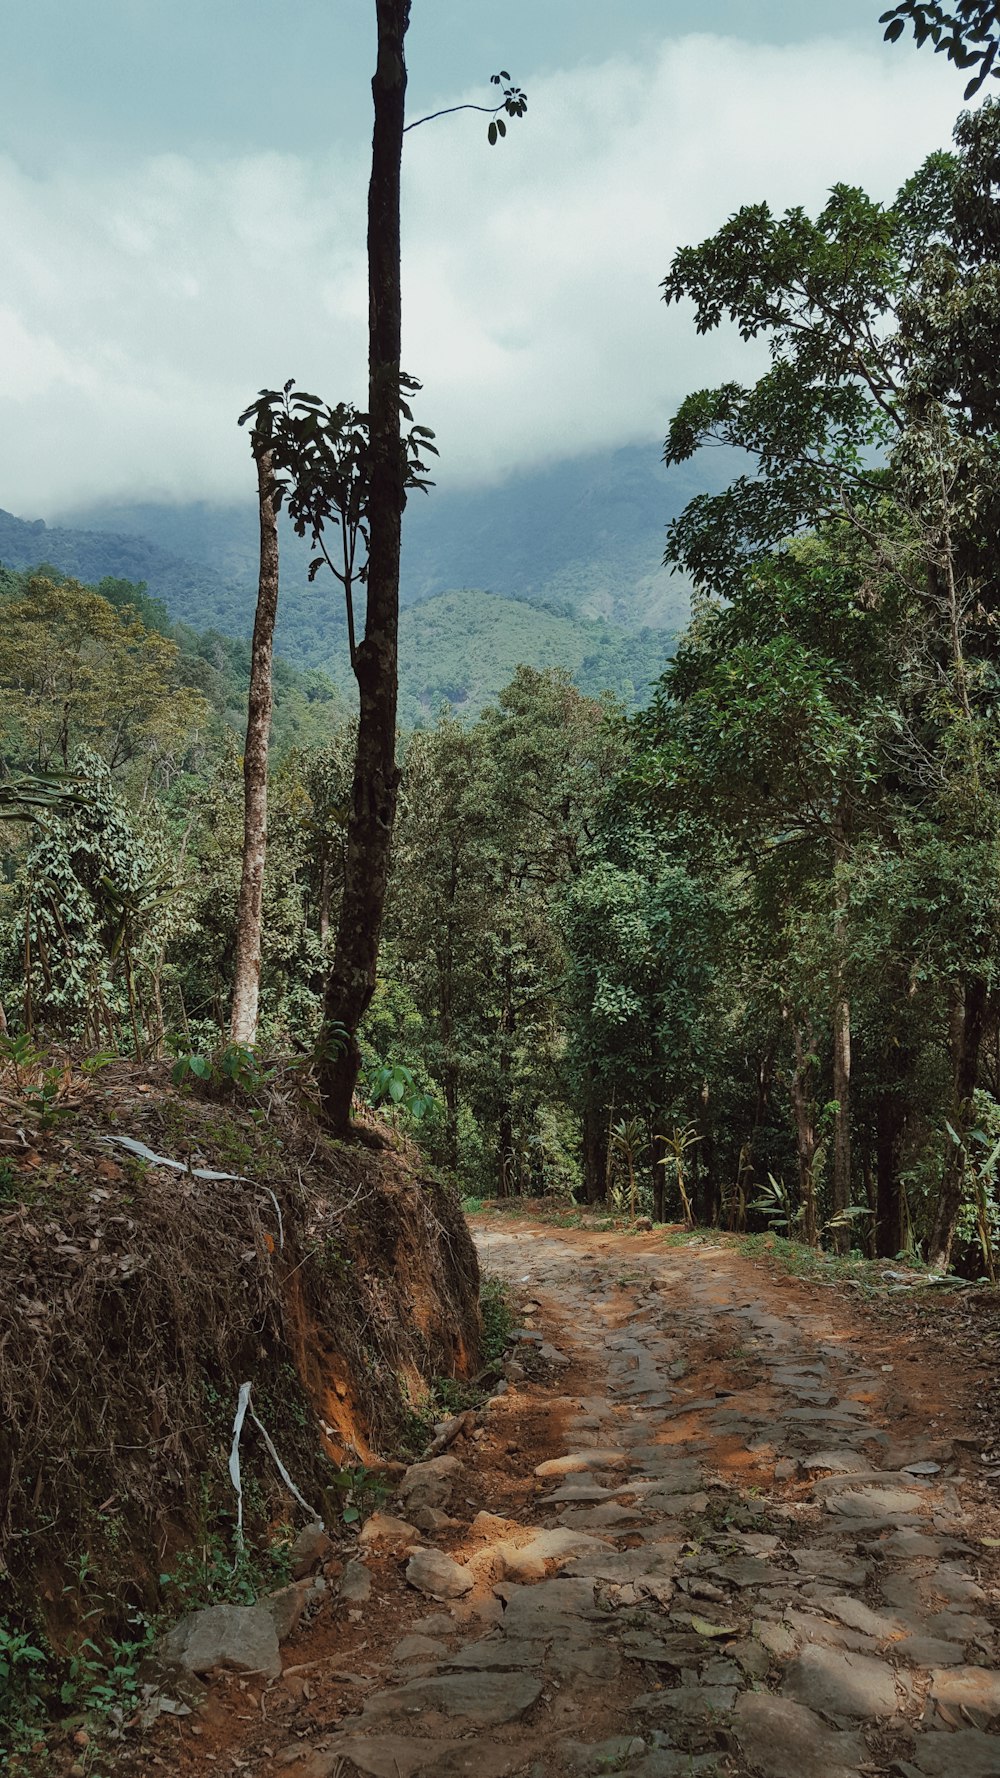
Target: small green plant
[103, 1683]
[238, 1066]
[392, 1084]
[91, 1065]
[211, 1572]
[676, 1146]
[43, 1099]
[190, 1067]
[360, 1492]
[23, 1687]
[777, 1206]
[40, 1087]
[22, 1055]
[496, 1311]
[235, 1066]
[627, 1144]
[19, 1656]
[9, 1183]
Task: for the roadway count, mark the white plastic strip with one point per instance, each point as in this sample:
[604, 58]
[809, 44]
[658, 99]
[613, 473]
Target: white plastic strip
[242, 1405]
[282, 1471]
[234, 1459]
[162, 1160]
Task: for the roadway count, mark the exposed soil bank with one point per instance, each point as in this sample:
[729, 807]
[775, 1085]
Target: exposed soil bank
[135, 1299]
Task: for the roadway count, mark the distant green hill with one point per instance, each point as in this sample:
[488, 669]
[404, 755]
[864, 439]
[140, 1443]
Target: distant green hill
[569, 555]
[462, 647]
[585, 534]
[197, 594]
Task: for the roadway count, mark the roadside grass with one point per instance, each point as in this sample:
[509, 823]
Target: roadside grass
[499, 1317]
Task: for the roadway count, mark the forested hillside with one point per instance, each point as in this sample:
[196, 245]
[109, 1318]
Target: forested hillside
[576, 581]
[586, 533]
[740, 947]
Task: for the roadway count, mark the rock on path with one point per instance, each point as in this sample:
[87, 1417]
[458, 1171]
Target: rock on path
[671, 1608]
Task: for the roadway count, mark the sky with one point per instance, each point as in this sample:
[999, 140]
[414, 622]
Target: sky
[182, 195]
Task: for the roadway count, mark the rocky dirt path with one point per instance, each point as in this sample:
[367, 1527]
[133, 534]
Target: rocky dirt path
[703, 1530]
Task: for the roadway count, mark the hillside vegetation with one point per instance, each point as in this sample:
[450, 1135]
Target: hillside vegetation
[726, 954]
[585, 534]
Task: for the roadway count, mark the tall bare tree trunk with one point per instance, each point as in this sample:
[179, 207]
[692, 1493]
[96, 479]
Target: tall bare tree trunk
[706, 1154]
[890, 1121]
[351, 982]
[841, 1038]
[806, 1140]
[594, 1141]
[969, 1015]
[246, 975]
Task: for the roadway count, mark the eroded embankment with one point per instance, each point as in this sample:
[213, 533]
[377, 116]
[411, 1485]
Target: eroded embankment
[136, 1298]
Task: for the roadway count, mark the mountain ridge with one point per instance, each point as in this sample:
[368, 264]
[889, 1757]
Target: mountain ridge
[560, 565]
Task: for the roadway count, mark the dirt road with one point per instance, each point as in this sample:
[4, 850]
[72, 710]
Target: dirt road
[705, 1529]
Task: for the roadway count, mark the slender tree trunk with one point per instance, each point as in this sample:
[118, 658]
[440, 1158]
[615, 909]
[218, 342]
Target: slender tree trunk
[3, 1021]
[661, 1160]
[890, 1118]
[351, 982]
[841, 1038]
[706, 1154]
[968, 1024]
[804, 1112]
[246, 972]
[595, 1143]
[764, 1074]
[324, 898]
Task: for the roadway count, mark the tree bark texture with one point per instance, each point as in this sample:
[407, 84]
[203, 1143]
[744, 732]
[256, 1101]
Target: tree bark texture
[710, 1196]
[841, 1042]
[890, 1122]
[352, 977]
[594, 1143]
[661, 1161]
[969, 1017]
[246, 973]
[806, 1140]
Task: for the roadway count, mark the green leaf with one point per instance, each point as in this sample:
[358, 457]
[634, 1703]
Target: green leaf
[491, 133]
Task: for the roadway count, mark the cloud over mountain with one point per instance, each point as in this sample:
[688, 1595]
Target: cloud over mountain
[142, 307]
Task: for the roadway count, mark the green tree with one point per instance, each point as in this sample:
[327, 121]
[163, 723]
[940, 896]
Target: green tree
[93, 907]
[75, 671]
[876, 421]
[968, 32]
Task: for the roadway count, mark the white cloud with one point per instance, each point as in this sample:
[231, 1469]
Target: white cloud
[141, 310]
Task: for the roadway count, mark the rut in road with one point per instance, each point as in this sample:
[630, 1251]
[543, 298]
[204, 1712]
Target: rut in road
[757, 1577]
